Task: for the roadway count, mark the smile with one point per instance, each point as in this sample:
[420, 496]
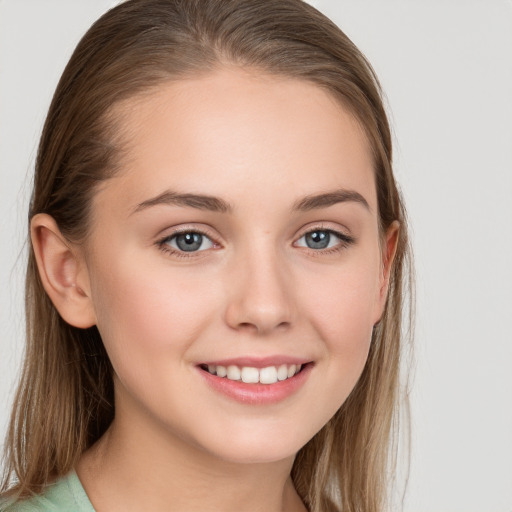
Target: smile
[257, 382]
[251, 375]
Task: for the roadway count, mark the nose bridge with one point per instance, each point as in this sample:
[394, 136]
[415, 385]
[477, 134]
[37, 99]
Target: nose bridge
[261, 296]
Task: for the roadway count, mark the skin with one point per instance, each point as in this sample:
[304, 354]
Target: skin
[261, 144]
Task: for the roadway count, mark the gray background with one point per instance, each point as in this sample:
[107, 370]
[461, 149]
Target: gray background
[446, 67]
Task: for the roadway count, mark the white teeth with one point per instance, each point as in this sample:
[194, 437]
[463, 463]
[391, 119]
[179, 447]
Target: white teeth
[250, 375]
[234, 373]
[282, 372]
[268, 375]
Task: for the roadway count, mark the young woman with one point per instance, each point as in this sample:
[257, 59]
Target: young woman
[215, 282]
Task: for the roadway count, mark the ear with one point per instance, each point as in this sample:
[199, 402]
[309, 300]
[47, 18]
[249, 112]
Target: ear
[388, 255]
[63, 272]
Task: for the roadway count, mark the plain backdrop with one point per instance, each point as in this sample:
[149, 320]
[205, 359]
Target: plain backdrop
[446, 68]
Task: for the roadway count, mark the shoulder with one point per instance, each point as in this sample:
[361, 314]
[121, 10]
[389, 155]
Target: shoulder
[65, 495]
[35, 504]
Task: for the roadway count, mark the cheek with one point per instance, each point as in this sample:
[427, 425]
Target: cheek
[345, 302]
[144, 312]
[342, 312]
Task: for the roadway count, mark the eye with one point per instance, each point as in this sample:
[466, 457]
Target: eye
[323, 239]
[190, 241]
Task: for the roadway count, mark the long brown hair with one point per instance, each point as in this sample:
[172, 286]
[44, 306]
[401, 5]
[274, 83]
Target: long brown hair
[65, 399]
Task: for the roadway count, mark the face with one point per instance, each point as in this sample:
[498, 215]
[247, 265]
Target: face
[234, 263]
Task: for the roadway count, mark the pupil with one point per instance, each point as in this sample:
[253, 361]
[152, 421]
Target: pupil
[189, 241]
[318, 239]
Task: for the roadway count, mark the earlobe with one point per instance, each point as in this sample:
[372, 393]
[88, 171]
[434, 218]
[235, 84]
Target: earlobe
[62, 272]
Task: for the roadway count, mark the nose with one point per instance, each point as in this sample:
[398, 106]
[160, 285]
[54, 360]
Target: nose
[260, 294]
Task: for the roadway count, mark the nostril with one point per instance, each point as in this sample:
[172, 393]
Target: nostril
[263, 327]
[247, 326]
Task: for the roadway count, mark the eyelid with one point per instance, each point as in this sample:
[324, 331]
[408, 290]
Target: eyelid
[163, 245]
[344, 238]
[335, 228]
[188, 228]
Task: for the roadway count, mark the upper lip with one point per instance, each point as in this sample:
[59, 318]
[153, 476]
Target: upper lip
[258, 362]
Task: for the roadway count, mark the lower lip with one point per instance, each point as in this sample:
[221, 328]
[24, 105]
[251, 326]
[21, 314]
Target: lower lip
[259, 394]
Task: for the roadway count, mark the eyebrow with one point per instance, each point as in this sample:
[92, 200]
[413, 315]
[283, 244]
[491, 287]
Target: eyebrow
[198, 201]
[216, 204]
[317, 201]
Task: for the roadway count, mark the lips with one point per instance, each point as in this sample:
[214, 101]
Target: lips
[261, 381]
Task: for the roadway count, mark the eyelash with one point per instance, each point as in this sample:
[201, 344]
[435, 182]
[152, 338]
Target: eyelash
[344, 242]
[163, 243]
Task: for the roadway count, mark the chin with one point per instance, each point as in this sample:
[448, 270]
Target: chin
[258, 444]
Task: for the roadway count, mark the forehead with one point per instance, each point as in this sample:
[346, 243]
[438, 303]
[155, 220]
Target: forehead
[234, 131]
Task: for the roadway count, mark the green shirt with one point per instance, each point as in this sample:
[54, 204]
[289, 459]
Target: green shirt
[65, 495]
